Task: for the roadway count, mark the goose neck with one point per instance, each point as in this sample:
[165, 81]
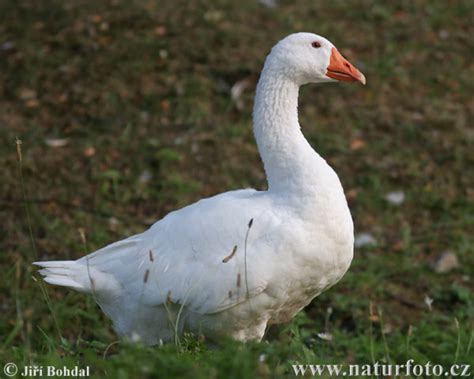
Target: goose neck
[285, 153]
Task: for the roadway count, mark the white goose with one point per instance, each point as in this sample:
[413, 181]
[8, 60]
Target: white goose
[239, 261]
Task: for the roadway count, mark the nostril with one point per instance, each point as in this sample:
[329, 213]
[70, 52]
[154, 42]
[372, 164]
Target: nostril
[348, 66]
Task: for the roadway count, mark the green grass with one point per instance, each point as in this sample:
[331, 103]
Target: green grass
[140, 88]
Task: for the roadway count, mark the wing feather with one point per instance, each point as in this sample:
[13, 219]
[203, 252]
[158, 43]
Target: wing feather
[180, 258]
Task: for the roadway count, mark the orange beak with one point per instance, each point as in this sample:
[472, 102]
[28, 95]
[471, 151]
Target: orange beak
[340, 69]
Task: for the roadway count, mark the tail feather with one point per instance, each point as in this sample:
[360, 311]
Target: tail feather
[77, 276]
[62, 273]
[54, 264]
[56, 271]
[61, 281]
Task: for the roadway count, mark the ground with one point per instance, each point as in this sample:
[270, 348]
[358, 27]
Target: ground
[124, 112]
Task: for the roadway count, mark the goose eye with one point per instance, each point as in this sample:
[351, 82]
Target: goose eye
[316, 44]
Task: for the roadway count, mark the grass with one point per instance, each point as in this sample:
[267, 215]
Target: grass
[138, 94]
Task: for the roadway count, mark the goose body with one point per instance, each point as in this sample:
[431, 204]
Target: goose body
[232, 264]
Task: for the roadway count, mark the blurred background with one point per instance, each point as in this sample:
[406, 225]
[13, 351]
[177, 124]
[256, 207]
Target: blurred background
[125, 110]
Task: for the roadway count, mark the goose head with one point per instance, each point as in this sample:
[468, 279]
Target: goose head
[309, 58]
